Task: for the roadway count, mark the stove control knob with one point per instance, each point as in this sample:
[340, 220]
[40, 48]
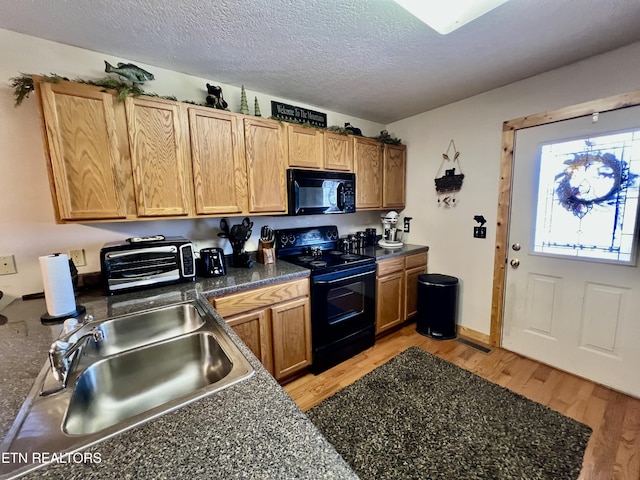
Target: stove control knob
[292, 238]
[283, 239]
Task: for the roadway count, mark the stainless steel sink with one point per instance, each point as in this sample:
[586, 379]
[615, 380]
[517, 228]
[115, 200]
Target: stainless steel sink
[147, 364]
[123, 386]
[131, 331]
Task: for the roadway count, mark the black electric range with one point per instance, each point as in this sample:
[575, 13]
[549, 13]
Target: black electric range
[343, 290]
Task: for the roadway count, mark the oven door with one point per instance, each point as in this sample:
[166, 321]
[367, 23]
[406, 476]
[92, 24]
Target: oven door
[342, 304]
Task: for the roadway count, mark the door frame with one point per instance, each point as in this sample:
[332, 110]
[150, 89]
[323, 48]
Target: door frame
[509, 129]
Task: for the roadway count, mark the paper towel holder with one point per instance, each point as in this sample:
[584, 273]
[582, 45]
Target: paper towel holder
[47, 319]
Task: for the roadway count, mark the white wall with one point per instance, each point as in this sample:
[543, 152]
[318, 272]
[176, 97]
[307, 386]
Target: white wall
[26, 213]
[27, 225]
[476, 126]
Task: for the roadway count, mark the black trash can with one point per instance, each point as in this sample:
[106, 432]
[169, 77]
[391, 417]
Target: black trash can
[437, 299]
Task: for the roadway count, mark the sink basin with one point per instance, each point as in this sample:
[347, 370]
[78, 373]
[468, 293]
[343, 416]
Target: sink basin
[131, 331]
[148, 364]
[123, 386]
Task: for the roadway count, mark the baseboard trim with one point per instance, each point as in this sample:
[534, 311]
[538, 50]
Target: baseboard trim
[473, 334]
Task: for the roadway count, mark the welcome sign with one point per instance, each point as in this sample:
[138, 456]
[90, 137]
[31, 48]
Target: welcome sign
[282, 111]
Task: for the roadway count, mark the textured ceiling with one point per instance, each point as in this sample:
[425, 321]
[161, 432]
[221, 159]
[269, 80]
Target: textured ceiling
[366, 58]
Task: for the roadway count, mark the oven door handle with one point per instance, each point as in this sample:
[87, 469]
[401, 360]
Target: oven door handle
[331, 278]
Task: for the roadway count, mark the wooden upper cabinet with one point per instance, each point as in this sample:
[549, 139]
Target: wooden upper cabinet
[266, 164]
[305, 147]
[338, 152]
[367, 159]
[157, 138]
[219, 171]
[85, 151]
[395, 170]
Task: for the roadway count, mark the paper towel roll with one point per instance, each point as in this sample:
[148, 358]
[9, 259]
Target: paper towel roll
[58, 288]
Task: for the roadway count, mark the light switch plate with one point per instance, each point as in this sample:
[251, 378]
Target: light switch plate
[479, 232]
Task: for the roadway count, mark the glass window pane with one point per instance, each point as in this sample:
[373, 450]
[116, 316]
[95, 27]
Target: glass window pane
[588, 198]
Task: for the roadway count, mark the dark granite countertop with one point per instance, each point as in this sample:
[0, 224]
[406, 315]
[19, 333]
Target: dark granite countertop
[249, 430]
[384, 253]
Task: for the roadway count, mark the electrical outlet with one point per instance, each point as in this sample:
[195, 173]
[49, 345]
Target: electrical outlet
[79, 260]
[7, 265]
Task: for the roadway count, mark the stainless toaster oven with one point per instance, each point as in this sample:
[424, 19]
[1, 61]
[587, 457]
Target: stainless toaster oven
[146, 262]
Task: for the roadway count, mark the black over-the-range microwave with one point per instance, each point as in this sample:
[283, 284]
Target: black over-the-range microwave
[313, 192]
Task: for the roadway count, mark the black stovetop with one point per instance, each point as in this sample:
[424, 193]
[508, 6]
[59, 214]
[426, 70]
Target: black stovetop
[316, 248]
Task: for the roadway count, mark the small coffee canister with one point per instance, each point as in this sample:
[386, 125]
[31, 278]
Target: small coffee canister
[372, 237]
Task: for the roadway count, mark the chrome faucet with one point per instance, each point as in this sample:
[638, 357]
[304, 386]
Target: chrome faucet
[62, 350]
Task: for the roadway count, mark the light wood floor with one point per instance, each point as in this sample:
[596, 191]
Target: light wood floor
[613, 452]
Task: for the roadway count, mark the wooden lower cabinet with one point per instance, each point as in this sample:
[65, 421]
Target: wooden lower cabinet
[411, 290]
[274, 322]
[254, 328]
[390, 308]
[291, 334]
[397, 289]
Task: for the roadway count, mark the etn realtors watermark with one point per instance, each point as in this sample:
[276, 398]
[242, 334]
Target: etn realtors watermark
[14, 458]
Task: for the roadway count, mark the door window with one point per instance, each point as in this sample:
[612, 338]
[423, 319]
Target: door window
[587, 202]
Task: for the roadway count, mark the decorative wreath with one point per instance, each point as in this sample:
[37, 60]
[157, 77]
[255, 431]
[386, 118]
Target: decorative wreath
[577, 196]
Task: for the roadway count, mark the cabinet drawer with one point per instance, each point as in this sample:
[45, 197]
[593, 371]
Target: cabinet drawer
[386, 267]
[260, 297]
[416, 260]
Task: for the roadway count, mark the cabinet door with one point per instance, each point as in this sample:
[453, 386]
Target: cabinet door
[291, 328]
[305, 147]
[158, 155]
[254, 330]
[338, 152]
[367, 159]
[266, 165]
[395, 171]
[219, 171]
[411, 290]
[84, 149]
[390, 301]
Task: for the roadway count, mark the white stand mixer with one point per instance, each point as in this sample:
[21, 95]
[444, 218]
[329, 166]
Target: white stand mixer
[391, 234]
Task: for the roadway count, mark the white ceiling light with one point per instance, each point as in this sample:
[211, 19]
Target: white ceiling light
[445, 17]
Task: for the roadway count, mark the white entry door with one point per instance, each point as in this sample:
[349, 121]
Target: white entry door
[572, 296]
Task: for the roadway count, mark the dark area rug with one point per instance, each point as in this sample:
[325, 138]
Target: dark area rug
[420, 417]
